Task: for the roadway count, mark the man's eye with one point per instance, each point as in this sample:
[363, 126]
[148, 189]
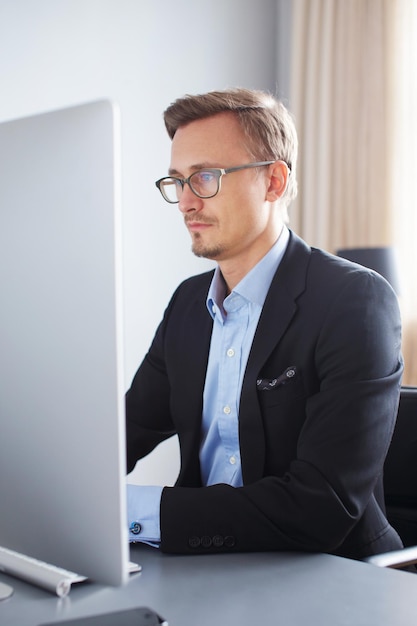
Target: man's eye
[205, 177]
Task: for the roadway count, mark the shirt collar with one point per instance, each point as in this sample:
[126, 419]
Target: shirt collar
[255, 285]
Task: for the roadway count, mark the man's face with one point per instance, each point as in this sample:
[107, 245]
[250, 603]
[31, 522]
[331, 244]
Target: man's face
[239, 223]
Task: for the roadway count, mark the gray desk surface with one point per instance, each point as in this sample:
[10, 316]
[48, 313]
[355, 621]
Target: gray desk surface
[234, 590]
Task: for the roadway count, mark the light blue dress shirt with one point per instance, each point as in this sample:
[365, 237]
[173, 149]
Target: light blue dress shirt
[235, 319]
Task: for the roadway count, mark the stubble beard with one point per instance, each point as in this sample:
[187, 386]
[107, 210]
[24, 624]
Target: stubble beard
[206, 252]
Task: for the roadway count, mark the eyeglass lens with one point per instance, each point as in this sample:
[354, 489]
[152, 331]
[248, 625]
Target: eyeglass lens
[203, 183]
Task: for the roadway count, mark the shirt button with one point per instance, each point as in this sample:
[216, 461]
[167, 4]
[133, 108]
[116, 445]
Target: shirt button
[135, 528]
[227, 410]
[232, 460]
[230, 352]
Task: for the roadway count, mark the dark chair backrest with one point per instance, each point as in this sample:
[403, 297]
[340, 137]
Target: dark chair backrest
[400, 470]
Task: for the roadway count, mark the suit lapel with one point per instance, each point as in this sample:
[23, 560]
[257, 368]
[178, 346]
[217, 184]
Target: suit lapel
[193, 337]
[279, 308]
[193, 334]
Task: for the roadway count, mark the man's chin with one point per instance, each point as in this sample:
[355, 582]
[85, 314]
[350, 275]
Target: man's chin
[205, 252]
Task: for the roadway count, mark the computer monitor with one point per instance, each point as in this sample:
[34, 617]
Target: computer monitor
[62, 440]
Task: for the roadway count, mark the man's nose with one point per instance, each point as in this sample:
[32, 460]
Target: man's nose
[189, 201]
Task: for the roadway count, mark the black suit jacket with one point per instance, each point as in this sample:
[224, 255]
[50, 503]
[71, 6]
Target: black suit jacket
[317, 412]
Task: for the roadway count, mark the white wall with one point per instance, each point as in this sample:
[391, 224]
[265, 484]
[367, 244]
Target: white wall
[143, 54]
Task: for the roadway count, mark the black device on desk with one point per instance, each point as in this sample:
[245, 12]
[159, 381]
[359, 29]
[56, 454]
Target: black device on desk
[141, 616]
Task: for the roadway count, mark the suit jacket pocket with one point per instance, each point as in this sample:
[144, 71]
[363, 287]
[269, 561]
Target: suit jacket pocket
[282, 390]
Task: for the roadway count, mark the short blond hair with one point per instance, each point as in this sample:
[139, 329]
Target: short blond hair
[267, 124]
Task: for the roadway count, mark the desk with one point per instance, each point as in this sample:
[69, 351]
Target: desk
[235, 590]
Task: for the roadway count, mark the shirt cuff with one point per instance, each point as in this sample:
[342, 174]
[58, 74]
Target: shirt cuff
[143, 506]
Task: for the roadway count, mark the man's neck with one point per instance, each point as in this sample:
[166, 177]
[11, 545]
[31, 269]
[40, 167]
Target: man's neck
[235, 269]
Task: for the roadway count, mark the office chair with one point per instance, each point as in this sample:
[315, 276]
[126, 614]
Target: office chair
[400, 484]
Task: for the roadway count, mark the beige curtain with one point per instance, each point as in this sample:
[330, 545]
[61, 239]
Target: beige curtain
[345, 97]
[404, 165]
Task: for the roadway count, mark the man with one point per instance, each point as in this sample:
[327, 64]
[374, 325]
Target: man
[280, 372]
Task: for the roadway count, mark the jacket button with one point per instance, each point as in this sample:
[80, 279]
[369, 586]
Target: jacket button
[194, 542]
[218, 541]
[229, 541]
[206, 541]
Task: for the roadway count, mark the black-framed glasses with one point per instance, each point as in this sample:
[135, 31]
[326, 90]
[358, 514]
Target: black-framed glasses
[204, 183]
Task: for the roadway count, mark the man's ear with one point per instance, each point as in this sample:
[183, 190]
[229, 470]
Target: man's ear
[278, 180]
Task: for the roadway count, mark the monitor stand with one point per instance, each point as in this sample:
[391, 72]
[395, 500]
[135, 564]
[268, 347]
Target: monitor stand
[5, 591]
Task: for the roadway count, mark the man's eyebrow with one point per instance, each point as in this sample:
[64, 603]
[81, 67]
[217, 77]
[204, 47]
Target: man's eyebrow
[197, 166]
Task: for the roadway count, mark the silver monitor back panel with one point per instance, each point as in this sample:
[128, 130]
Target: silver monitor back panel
[62, 444]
